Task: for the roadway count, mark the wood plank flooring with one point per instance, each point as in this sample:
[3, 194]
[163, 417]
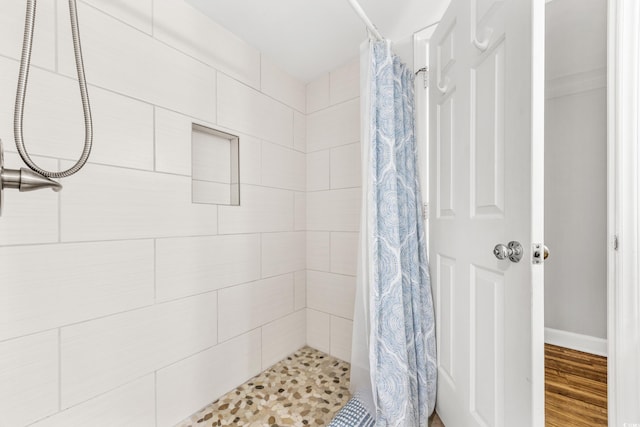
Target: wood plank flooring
[575, 388]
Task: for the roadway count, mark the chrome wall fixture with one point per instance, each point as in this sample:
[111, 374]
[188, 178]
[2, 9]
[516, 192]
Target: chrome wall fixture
[36, 178]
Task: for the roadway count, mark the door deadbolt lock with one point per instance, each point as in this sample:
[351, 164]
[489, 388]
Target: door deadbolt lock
[513, 251]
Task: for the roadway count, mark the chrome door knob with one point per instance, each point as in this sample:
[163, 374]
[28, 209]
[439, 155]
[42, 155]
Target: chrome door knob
[513, 251]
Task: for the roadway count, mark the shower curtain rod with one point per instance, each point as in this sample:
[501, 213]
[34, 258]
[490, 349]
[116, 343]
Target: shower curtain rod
[372, 28]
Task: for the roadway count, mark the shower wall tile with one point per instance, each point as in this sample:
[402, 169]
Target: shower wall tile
[162, 75]
[334, 126]
[12, 30]
[29, 218]
[333, 207]
[173, 133]
[172, 142]
[28, 378]
[193, 265]
[318, 94]
[345, 166]
[133, 404]
[124, 347]
[318, 170]
[341, 333]
[282, 337]
[86, 281]
[344, 82]
[250, 160]
[248, 306]
[123, 134]
[120, 320]
[105, 203]
[318, 250]
[261, 209]
[282, 253]
[54, 125]
[335, 210]
[200, 379]
[135, 13]
[211, 193]
[300, 290]
[249, 111]
[281, 86]
[299, 131]
[331, 293]
[180, 25]
[300, 211]
[283, 167]
[344, 253]
[319, 330]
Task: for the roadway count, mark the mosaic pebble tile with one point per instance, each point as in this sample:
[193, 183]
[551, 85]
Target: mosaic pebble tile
[305, 389]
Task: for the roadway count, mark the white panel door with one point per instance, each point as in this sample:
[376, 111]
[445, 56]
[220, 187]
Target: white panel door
[486, 115]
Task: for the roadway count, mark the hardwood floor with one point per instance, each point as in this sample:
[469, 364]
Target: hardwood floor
[575, 388]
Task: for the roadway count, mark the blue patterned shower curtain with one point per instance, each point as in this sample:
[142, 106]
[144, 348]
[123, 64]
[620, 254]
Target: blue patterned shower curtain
[394, 352]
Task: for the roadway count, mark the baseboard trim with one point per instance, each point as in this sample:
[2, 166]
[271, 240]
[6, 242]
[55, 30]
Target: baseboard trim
[574, 341]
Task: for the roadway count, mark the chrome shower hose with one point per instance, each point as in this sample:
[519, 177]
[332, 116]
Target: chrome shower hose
[25, 62]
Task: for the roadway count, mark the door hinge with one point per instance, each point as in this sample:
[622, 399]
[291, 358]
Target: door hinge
[425, 211]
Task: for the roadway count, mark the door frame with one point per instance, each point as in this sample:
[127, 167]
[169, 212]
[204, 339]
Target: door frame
[623, 189]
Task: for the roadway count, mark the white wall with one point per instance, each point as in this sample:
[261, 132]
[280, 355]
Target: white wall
[333, 207]
[575, 171]
[122, 303]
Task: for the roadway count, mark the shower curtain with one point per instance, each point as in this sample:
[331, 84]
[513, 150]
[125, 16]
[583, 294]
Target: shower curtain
[394, 356]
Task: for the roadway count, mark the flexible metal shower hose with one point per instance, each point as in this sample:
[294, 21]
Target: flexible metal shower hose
[25, 62]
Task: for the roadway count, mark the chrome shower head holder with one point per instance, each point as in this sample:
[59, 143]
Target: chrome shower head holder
[22, 179]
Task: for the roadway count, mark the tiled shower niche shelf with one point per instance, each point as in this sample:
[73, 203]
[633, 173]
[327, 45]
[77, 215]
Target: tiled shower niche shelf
[214, 166]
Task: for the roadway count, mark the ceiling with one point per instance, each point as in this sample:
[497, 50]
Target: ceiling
[309, 37]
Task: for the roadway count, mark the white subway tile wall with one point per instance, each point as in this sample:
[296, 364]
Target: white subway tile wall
[191, 382]
[248, 306]
[132, 404]
[333, 207]
[341, 337]
[281, 253]
[12, 24]
[29, 388]
[280, 335]
[331, 293]
[319, 170]
[319, 330]
[123, 303]
[319, 250]
[334, 126]
[100, 355]
[136, 294]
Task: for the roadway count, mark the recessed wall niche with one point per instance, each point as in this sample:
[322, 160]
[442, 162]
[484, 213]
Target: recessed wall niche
[214, 166]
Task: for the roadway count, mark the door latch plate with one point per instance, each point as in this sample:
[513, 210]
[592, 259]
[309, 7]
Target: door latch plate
[537, 253]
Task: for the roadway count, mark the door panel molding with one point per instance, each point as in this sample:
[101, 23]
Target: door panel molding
[487, 135]
[487, 346]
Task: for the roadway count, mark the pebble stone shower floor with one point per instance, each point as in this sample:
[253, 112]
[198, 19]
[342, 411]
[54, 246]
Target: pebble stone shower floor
[305, 389]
